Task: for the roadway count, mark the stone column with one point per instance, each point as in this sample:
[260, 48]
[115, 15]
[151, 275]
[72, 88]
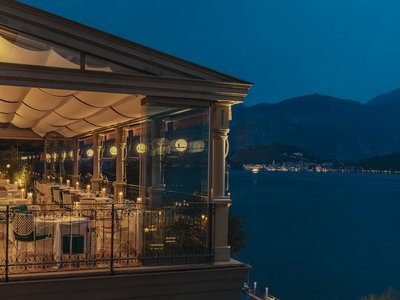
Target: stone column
[75, 158]
[96, 178]
[220, 130]
[120, 142]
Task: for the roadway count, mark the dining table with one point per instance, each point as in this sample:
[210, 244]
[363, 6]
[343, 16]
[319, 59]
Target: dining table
[59, 227]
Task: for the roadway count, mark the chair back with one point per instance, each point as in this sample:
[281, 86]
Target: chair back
[23, 224]
[67, 199]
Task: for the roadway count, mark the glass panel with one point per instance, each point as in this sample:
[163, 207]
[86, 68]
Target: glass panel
[21, 48]
[168, 158]
[20, 163]
[86, 160]
[58, 160]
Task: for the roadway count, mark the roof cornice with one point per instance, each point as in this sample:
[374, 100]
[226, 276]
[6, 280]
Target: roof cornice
[48, 77]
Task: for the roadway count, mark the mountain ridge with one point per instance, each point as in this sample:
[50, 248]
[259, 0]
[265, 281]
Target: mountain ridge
[325, 126]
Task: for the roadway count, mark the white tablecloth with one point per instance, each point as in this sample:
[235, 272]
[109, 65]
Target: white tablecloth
[14, 201]
[57, 227]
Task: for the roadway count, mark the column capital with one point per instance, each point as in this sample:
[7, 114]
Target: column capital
[220, 133]
[222, 201]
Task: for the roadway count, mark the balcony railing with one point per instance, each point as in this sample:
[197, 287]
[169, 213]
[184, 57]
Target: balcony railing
[101, 237]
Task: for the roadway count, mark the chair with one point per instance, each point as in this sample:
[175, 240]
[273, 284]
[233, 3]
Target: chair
[56, 195]
[25, 234]
[67, 200]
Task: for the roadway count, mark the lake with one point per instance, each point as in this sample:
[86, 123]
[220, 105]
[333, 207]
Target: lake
[320, 235]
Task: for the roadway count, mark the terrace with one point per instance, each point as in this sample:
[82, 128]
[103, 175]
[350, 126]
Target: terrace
[112, 156]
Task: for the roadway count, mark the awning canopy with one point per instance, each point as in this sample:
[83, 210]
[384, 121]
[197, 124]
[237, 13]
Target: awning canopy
[67, 112]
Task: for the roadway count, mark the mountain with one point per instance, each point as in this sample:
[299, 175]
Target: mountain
[266, 154]
[392, 97]
[382, 162]
[324, 126]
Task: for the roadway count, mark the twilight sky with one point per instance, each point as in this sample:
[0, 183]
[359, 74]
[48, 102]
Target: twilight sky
[287, 48]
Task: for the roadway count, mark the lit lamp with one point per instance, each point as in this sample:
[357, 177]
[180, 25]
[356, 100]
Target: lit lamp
[68, 183]
[139, 199]
[8, 166]
[120, 196]
[179, 145]
[90, 152]
[141, 148]
[88, 188]
[113, 150]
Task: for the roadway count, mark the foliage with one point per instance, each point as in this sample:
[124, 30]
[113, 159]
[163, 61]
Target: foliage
[237, 234]
[390, 294]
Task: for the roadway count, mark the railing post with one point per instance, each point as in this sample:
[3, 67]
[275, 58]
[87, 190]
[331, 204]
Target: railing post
[210, 231]
[112, 241]
[7, 240]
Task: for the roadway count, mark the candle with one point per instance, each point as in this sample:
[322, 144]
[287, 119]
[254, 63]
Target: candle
[68, 183]
[120, 196]
[22, 193]
[88, 188]
[8, 181]
[77, 185]
[16, 183]
[30, 196]
[139, 199]
[103, 192]
[61, 180]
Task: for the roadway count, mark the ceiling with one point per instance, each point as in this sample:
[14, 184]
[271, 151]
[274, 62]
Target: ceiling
[67, 112]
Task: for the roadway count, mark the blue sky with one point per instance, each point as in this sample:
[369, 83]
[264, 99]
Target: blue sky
[344, 48]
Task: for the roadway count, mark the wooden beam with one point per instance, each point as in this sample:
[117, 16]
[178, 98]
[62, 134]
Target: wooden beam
[18, 134]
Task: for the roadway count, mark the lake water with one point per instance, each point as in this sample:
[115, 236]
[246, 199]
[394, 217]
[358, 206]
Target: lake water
[320, 235]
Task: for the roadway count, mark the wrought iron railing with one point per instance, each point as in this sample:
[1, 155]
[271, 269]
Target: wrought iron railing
[86, 236]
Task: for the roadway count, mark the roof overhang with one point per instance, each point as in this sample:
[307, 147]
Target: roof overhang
[60, 78]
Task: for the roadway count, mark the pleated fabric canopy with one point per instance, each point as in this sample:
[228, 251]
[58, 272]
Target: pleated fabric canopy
[69, 113]
[23, 50]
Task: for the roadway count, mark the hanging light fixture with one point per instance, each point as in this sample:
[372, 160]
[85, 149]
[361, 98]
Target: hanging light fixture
[141, 148]
[113, 150]
[196, 146]
[89, 152]
[179, 145]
